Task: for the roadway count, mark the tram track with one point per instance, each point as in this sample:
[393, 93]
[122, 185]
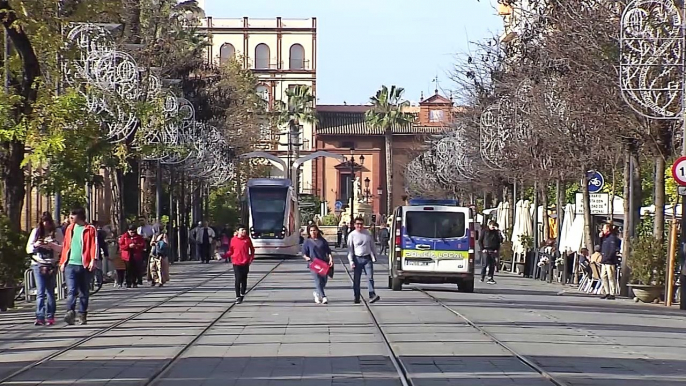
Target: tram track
[521, 358]
[404, 374]
[158, 374]
[120, 298]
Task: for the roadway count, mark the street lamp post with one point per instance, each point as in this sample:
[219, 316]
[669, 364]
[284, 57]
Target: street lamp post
[367, 192]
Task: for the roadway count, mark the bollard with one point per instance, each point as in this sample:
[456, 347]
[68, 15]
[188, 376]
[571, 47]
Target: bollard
[671, 254]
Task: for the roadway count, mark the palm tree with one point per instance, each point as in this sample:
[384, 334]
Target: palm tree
[299, 108]
[385, 114]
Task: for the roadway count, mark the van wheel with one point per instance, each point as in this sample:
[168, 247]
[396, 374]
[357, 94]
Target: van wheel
[466, 286]
[390, 282]
[396, 284]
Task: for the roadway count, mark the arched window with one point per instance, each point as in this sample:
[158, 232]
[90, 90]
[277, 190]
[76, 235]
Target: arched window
[262, 56]
[263, 92]
[226, 53]
[297, 57]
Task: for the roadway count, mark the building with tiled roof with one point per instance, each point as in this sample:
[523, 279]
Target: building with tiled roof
[343, 127]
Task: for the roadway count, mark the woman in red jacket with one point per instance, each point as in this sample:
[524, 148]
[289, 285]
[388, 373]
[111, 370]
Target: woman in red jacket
[242, 254]
[131, 247]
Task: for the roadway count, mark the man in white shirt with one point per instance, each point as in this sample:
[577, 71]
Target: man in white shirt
[361, 256]
[147, 232]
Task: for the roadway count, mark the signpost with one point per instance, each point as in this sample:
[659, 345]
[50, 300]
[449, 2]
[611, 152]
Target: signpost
[679, 171]
[600, 203]
[596, 181]
[679, 175]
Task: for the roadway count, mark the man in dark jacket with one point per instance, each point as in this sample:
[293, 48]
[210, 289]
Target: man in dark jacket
[609, 247]
[489, 242]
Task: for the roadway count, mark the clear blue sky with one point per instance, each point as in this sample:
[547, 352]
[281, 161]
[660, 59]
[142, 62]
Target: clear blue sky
[363, 44]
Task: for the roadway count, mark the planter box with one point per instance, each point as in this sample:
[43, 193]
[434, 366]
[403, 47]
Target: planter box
[7, 297]
[646, 293]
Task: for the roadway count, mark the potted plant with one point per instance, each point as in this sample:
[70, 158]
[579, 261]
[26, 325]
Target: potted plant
[527, 242]
[647, 263]
[12, 262]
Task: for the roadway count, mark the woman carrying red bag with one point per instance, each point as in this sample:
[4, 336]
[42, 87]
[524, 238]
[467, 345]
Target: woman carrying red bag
[242, 254]
[316, 250]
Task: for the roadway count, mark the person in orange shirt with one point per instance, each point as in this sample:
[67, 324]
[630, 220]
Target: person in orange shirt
[79, 254]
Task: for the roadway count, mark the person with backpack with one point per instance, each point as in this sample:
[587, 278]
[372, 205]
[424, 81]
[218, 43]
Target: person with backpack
[316, 248]
[44, 246]
[242, 254]
[158, 258]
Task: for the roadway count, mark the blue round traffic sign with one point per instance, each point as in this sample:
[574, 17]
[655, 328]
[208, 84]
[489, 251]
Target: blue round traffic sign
[338, 206]
[596, 181]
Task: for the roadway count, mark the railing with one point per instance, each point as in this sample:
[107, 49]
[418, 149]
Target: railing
[298, 64]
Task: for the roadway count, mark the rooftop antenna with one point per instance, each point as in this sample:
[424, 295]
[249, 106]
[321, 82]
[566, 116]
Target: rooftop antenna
[436, 81]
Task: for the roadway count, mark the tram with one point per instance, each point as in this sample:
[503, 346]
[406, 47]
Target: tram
[271, 213]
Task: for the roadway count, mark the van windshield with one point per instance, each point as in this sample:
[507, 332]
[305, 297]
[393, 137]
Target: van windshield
[435, 225]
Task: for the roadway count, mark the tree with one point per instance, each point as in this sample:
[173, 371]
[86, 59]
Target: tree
[386, 114]
[298, 108]
[30, 105]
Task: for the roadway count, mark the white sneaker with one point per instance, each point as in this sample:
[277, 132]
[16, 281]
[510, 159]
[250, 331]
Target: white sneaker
[316, 298]
[325, 300]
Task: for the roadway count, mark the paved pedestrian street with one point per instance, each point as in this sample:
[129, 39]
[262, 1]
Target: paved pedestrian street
[517, 332]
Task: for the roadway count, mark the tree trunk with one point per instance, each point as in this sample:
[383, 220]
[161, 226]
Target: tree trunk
[12, 152]
[612, 193]
[588, 218]
[659, 224]
[627, 208]
[115, 177]
[132, 27]
[13, 182]
[388, 144]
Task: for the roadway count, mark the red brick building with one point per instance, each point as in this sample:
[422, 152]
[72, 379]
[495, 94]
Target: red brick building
[343, 127]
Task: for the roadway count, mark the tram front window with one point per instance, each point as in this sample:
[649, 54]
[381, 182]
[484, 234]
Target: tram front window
[268, 210]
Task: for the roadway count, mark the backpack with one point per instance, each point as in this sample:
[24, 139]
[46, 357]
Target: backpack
[161, 248]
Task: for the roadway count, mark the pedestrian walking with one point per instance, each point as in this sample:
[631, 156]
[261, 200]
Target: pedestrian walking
[384, 238]
[204, 237]
[77, 261]
[361, 256]
[44, 246]
[609, 248]
[103, 252]
[132, 248]
[158, 266]
[344, 234]
[242, 254]
[316, 249]
[490, 242]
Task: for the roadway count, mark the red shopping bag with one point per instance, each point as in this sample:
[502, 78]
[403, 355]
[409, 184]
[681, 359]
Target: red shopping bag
[319, 267]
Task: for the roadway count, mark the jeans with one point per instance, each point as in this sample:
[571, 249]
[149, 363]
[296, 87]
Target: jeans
[241, 274]
[45, 294]
[363, 263]
[488, 264]
[78, 284]
[320, 283]
[384, 246]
